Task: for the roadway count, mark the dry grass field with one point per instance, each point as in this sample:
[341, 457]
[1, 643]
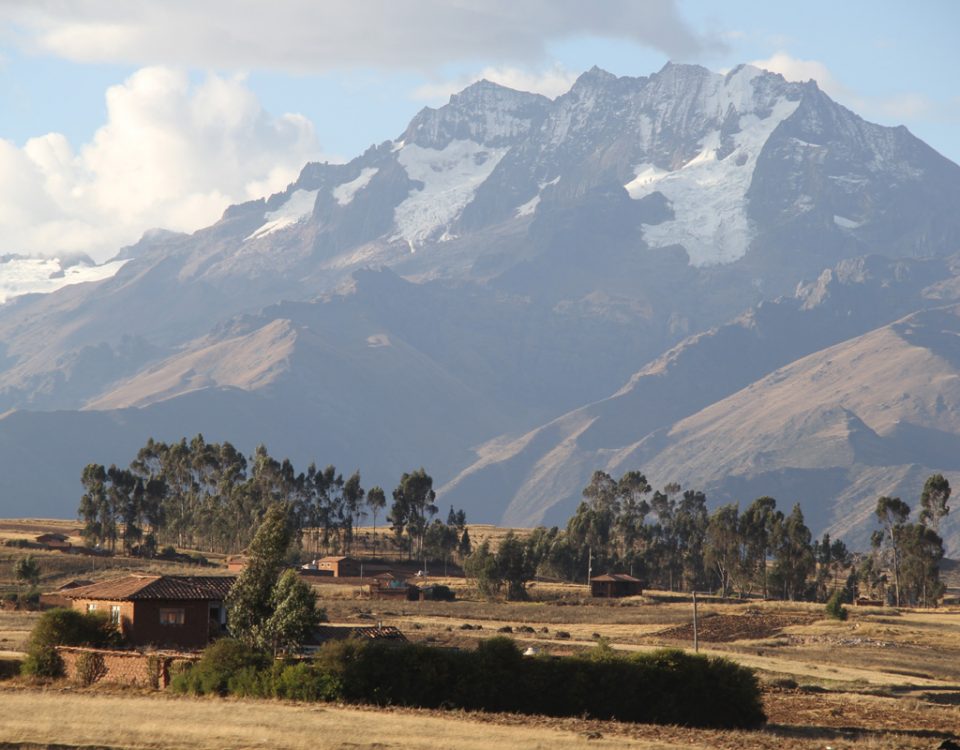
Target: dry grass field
[56, 568]
[883, 679]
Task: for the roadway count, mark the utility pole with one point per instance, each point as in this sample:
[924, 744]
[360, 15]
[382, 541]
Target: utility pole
[589, 564]
[696, 640]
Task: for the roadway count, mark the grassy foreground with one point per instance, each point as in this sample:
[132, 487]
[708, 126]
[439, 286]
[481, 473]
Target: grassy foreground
[103, 719]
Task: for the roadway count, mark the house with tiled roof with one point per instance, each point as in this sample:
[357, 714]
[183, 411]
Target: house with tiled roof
[181, 612]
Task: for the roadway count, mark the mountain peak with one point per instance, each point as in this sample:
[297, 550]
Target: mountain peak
[484, 112]
[682, 71]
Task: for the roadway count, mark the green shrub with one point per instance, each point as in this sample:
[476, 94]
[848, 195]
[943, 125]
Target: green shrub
[835, 608]
[90, 667]
[9, 668]
[222, 661]
[442, 593]
[65, 627]
[304, 682]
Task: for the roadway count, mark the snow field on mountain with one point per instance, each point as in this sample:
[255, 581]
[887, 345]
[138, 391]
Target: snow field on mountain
[344, 193]
[295, 209]
[41, 275]
[707, 194]
[531, 205]
[450, 177]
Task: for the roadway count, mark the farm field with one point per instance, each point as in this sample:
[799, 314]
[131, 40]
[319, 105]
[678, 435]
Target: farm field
[881, 679]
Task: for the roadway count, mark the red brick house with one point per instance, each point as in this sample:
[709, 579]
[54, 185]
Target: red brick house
[182, 612]
[614, 585]
[338, 567]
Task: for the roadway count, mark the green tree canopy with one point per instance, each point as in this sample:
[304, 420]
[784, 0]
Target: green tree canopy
[27, 570]
[268, 608]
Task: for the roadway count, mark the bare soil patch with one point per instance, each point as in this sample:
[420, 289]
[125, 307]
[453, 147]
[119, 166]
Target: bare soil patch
[750, 625]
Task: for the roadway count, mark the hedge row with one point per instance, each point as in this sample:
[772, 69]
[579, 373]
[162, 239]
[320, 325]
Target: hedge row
[665, 687]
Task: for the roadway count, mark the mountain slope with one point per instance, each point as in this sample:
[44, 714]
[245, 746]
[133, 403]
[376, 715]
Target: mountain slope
[538, 477]
[506, 259]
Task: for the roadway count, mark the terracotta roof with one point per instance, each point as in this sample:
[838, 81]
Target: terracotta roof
[137, 587]
[623, 577]
[338, 632]
[74, 584]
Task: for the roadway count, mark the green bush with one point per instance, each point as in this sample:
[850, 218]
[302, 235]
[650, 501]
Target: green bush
[835, 608]
[65, 627]
[90, 667]
[9, 668]
[304, 682]
[222, 661]
[229, 667]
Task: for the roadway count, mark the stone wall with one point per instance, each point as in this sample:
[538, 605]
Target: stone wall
[137, 668]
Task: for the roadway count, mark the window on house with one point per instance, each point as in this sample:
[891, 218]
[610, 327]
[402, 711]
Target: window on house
[171, 616]
[91, 608]
[115, 614]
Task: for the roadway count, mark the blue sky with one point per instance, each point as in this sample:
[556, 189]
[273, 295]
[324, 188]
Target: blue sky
[215, 102]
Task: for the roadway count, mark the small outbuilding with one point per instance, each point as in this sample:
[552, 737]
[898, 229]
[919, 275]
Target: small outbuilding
[389, 586]
[54, 540]
[338, 567]
[181, 612]
[614, 585]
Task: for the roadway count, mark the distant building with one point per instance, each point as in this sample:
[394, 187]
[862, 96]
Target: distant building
[324, 633]
[614, 585]
[54, 541]
[182, 612]
[236, 563]
[56, 598]
[389, 586]
[338, 567]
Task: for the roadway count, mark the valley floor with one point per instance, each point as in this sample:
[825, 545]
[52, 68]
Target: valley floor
[883, 679]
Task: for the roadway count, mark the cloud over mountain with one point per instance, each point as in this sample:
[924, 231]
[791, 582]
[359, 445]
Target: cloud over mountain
[305, 35]
[173, 153]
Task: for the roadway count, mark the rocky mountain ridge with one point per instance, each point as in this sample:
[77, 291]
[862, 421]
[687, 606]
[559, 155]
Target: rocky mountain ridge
[505, 260]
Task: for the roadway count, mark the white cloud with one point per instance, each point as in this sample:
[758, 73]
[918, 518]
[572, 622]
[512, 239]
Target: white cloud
[552, 82]
[335, 34]
[41, 275]
[171, 154]
[795, 69]
[894, 109]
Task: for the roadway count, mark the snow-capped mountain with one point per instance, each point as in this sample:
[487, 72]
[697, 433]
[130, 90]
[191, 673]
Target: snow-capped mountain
[20, 274]
[529, 256]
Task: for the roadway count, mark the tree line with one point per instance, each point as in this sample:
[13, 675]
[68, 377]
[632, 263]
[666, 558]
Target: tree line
[209, 496]
[669, 540]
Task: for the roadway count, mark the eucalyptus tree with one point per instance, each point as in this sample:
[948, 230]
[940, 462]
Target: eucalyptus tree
[933, 501]
[793, 560]
[724, 548]
[892, 513]
[759, 526]
[413, 506]
[93, 510]
[353, 495]
[376, 501]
